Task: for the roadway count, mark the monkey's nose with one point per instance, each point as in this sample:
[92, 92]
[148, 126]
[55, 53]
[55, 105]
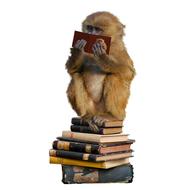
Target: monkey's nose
[91, 33]
[95, 32]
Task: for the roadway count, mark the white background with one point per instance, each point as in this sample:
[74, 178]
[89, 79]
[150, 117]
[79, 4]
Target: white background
[35, 37]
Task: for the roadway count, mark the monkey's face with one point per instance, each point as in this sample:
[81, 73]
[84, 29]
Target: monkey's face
[103, 23]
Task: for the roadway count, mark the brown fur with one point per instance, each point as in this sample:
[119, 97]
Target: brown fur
[101, 86]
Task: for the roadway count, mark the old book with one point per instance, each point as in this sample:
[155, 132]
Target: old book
[89, 157]
[101, 130]
[92, 148]
[111, 123]
[78, 174]
[91, 39]
[95, 137]
[103, 165]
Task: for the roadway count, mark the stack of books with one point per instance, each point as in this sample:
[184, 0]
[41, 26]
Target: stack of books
[93, 158]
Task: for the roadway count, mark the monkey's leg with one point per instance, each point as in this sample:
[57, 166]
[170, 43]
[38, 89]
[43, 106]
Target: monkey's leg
[80, 100]
[71, 97]
[102, 115]
[116, 93]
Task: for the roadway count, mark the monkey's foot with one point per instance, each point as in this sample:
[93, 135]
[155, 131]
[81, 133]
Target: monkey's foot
[92, 125]
[99, 120]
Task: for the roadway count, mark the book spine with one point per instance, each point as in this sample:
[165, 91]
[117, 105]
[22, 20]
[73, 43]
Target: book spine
[76, 147]
[73, 155]
[79, 121]
[78, 174]
[85, 129]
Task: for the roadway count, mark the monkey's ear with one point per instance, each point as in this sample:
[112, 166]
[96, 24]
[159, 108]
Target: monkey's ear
[123, 26]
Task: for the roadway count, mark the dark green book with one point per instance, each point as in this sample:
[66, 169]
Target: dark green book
[90, 157]
[101, 130]
[92, 148]
[78, 174]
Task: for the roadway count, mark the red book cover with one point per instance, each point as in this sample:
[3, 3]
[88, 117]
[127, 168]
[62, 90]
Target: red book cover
[91, 39]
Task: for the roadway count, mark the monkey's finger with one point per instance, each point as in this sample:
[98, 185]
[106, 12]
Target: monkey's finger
[102, 122]
[77, 44]
[81, 44]
[84, 41]
[103, 45]
[94, 128]
[94, 118]
[102, 49]
[99, 52]
[98, 121]
[94, 50]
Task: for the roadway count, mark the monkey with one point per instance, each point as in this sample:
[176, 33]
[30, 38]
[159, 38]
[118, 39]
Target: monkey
[100, 83]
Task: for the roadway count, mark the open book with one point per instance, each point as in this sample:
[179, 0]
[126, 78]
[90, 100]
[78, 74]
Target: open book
[91, 40]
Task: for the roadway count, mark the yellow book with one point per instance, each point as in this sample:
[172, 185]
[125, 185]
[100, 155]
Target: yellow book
[104, 165]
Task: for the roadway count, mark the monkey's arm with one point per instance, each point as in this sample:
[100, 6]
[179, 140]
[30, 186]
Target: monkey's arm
[75, 61]
[110, 65]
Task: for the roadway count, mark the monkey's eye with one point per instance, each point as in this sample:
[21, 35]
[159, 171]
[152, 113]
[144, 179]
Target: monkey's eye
[89, 28]
[98, 29]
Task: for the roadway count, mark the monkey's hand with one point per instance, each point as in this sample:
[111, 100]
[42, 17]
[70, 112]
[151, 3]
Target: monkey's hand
[99, 48]
[78, 48]
[80, 44]
[89, 119]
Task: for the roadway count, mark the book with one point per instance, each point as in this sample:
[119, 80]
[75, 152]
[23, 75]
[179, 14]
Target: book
[91, 39]
[78, 174]
[103, 165]
[92, 148]
[110, 123]
[102, 131]
[90, 157]
[95, 137]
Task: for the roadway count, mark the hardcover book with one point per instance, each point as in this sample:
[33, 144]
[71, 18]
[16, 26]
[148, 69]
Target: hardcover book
[91, 39]
[92, 148]
[78, 174]
[101, 131]
[90, 157]
[103, 165]
[95, 137]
